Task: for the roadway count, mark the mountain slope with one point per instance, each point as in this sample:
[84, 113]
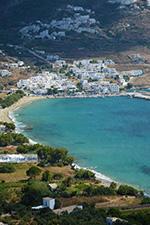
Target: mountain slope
[118, 26]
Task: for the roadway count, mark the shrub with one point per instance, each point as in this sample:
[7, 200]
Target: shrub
[57, 204]
[33, 172]
[46, 176]
[8, 168]
[114, 212]
[86, 174]
[145, 200]
[127, 190]
[65, 194]
[57, 176]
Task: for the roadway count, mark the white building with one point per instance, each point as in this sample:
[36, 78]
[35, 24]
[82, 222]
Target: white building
[110, 220]
[49, 202]
[20, 63]
[4, 73]
[2, 128]
[114, 88]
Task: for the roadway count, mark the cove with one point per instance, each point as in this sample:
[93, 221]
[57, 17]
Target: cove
[112, 134]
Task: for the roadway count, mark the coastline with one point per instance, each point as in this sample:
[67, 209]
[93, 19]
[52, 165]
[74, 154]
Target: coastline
[4, 113]
[5, 116]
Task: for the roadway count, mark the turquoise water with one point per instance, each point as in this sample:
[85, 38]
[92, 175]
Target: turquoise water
[111, 133]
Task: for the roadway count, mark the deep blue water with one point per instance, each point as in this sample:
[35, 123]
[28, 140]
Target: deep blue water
[111, 133]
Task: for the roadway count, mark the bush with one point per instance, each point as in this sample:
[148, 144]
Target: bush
[86, 174]
[33, 172]
[8, 168]
[12, 138]
[46, 176]
[57, 204]
[10, 126]
[114, 212]
[145, 200]
[57, 176]
[127, 190]
[11, 99]
[65, 194]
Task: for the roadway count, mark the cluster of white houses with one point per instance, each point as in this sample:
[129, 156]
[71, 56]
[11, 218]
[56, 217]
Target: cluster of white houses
[5, 72]
[40, 83]
[78, 22]
[90, 74]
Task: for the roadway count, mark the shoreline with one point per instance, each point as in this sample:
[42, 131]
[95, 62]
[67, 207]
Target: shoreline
[5, 116]
[4, 113]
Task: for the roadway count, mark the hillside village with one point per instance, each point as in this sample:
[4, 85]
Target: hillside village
[85, 77]
[80, 21]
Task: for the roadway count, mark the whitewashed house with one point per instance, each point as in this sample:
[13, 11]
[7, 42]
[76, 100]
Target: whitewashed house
[111, 220]
[49, 202]
[4, 73]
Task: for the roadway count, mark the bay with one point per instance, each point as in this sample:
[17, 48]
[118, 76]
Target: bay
[112, 134]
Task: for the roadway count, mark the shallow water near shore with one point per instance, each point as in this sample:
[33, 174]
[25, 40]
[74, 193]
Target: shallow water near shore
[111, 134]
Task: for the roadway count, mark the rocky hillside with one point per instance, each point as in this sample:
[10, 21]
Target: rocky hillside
[75, 28]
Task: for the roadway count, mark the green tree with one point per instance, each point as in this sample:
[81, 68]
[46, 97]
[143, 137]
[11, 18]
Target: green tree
[145, 200]
[68, 181]
[57, 176]
[49, 91]
[33, 193]
[10, 126]
[86, 174]
[7, 168]
[79, 86]
[59, 154]
[21, 139]
[114, 212]
[126, 190]
[68, 75]
[113, 185]
[55, 91]
[6, 139]
[129, 85]
[46, 176]
[33, 172]
[69, 160]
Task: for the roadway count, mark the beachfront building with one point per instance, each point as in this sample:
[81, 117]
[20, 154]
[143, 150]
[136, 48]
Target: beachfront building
[18, 158]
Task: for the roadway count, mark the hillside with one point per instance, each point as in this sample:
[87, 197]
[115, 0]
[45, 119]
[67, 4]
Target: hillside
[112, 26]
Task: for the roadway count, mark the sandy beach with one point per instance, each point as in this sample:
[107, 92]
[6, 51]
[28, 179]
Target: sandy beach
[4, 113]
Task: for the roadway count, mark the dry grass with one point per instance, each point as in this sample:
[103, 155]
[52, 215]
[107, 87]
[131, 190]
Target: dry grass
[102, 201]
[114, 201]
[81, 199]
[20, 174]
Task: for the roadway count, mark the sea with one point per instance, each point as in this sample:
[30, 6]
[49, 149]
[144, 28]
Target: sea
[110, 136]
